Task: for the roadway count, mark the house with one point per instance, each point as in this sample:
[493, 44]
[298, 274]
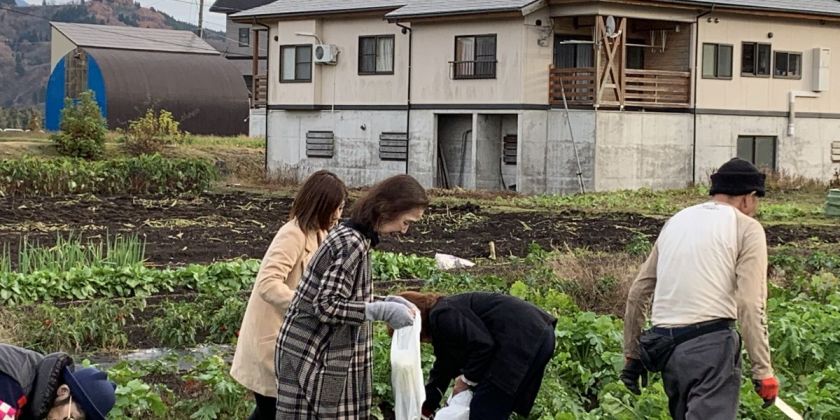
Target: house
[245, 41]
[133, 69]
[546, 96]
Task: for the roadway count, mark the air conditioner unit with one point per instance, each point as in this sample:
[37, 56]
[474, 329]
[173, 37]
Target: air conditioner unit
[325, 54]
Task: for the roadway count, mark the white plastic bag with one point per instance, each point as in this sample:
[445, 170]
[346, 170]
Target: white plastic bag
[457, 408]
[451, 262]
[407, 372]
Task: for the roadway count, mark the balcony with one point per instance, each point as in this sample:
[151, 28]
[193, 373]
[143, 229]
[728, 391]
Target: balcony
[637, 88]
[619, 62]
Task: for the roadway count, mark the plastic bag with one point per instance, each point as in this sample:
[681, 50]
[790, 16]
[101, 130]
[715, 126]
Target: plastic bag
[407, 372]
[450, 262]
[457, 408]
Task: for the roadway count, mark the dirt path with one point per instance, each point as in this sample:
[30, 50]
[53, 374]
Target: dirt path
[222, 226]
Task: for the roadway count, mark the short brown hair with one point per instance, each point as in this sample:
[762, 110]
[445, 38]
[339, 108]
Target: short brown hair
[424, 302]
[316, 201]
[387, 200]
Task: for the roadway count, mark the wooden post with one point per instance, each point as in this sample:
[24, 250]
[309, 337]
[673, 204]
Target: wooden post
[596, 44]
[622, 90]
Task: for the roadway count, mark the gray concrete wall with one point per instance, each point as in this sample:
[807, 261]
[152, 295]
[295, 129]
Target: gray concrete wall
[510, 126]
[807, 153]
[356, 157]
[256, 122]
[547, 161]
[643, 149]
[488, 147]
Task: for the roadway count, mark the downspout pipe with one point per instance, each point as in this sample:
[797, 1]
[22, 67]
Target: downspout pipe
[407, 29]
[267, 83]
[791, 130]
[697, 75]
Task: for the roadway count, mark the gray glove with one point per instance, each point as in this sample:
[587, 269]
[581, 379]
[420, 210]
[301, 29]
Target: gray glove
[395, 314]
[402, 300]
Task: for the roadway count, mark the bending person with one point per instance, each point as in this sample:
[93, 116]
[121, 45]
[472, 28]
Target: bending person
[34, 386]
[323, 357]
[496, 345]
[317, 208]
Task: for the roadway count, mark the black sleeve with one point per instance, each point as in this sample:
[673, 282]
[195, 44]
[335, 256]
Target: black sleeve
[467, 328]
[440, 377]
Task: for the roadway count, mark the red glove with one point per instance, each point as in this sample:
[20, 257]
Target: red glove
[767, 389]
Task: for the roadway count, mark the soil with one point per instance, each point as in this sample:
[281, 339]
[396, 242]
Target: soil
[215, 227]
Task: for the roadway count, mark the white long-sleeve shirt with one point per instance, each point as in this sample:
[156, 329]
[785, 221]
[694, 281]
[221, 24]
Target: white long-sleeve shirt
[710, 262]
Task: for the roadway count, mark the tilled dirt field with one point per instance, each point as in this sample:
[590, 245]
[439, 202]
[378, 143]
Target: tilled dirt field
[222, 226]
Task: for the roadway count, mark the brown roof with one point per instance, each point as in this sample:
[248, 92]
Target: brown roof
[129, 38]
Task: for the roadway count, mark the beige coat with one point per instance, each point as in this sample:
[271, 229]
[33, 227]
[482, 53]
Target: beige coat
[280, 272]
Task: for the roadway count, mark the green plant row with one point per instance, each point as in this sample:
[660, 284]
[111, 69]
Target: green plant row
[71, 251]
[142, 175]
[128, 281]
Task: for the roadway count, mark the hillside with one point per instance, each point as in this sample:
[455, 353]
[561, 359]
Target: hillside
[25, 40]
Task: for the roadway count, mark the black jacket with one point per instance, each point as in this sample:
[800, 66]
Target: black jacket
[485, 336]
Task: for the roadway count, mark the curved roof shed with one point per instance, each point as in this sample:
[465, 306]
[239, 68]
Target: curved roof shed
[133, 69]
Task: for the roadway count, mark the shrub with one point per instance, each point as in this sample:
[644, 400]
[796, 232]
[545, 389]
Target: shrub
[151, 133]
[142, 175]
[82, 128]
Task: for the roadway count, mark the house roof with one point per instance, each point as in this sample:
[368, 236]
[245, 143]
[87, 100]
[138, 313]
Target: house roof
[406, 9]
[428, 8]
[233, 6]
[822, 7]
[313, 7]
[129, 38]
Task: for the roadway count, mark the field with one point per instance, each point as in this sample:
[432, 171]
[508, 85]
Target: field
[153, 287]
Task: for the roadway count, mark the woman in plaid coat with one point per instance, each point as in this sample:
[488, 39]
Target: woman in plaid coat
[323, 358]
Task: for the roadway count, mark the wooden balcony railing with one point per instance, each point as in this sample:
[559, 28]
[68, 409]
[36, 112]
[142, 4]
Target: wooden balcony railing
[579, 84]
[657, 88]
[260, 91]
[642, 88]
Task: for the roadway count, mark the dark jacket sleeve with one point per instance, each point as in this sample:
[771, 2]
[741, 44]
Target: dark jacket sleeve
[441, 375]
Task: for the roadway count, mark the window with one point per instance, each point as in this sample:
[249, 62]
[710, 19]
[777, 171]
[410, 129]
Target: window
[717, 61]
[376, 54]
[573, 52]
[636, 54]
[244, 37]
[755, 59]
[788, 65]
[295, 63]
[475, 57]
[760, 150]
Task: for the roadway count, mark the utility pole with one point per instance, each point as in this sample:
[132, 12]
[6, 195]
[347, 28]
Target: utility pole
[201, 19]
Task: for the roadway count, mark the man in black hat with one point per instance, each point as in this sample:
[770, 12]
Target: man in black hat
[35, 387]
[707, 269]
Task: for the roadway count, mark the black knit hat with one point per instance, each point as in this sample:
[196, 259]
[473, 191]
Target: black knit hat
[737, 177]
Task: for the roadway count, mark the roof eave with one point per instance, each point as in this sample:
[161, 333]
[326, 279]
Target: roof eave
[748, 8]
[409, 17]
[243, 16]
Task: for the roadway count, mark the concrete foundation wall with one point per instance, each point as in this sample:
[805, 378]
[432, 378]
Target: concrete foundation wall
[488, 152]
[643, 149]
[547, 161]
[356, 150]
[256, 122]
[808, 153]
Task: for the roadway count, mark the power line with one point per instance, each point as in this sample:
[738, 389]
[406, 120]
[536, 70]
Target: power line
[93, 27]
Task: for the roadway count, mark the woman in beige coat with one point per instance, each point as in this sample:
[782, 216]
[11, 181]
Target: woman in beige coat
[317, 208]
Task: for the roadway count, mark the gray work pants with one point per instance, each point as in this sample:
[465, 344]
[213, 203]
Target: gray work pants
[703, 377]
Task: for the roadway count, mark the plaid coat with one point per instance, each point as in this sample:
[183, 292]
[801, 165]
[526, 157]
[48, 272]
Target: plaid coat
[323, 358]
